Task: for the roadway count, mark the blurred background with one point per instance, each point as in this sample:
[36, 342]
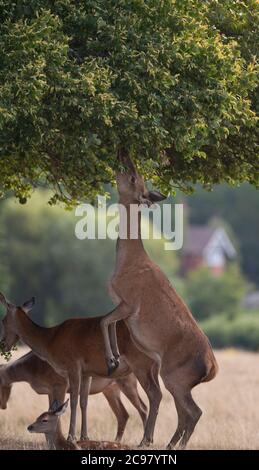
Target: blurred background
[216, 271]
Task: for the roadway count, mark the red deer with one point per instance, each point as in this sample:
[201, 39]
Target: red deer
[48, 423]
[75, 350]
[44, 380]
[159, 322]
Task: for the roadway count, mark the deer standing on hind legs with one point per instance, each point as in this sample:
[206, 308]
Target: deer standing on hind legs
[159, 322]
[75, 349]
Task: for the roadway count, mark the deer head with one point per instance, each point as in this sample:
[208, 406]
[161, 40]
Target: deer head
[5, 391]
[47, 422]
[9, 337]
[131, 186]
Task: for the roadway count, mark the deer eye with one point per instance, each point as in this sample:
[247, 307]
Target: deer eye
[45, 420]
[133, 179]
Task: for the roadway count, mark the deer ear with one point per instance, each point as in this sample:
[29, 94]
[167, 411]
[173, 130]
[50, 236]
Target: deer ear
[54, 406]
[61, 409]
[27, 306]
[132, 179]
[3, 299]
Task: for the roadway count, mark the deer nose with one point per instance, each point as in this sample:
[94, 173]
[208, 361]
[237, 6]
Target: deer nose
[156, 196]
[30, 428]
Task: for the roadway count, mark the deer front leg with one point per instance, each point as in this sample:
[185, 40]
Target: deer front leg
[113, 339]
[84, 393]
[74, 385]
[119, 313]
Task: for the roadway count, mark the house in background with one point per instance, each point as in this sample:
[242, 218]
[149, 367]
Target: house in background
[206, 246]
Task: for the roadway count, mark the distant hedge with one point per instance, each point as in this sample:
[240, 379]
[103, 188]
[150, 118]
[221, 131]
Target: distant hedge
[210, 296]
[241, 331]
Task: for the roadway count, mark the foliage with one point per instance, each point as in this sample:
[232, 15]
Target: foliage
[7, 355]
[4, 274]
[80, 80]
[241, 331]
[238, 20]
[209, 295]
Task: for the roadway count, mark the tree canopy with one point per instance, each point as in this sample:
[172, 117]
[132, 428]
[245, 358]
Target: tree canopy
[173, 82]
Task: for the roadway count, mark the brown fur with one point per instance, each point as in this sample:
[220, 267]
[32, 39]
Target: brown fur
[159, 322]
[44, 380]
[48, 423]
[102, 445]
[75, 350]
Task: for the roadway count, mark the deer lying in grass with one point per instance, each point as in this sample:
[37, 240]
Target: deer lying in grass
[75, 350]
[44, 380]
[48, 423]
[159, 322]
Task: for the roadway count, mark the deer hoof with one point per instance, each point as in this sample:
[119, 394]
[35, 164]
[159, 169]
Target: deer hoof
[116, 356]
[71, 438]
[181, 447]
[117, 360]
[84, 438]
[170, 446]
[145, 443]
[112, 365]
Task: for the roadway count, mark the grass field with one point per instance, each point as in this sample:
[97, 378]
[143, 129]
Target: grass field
[230, 412]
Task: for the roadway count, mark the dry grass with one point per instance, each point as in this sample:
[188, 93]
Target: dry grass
[230, 405]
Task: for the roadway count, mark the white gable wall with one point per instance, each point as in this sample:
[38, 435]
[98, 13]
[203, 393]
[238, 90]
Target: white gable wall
[217, 249]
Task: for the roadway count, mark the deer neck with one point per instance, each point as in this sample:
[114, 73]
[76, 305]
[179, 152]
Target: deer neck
[17, 371]
[35, 336]
[56, 440]
[11, 373]
[5, 375]
[130, 224]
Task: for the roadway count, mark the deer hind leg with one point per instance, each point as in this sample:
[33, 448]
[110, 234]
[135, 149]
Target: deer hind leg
[187, 410]
[150, 383]
[193, 415]
[74, 386]
[84, 394]
[180, 427]
[112, 395]
[119, 313]
[129, 387]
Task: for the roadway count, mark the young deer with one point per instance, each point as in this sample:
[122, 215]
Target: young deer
[48, 423]
[75, 350]
[159, 322]
[44, 380]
